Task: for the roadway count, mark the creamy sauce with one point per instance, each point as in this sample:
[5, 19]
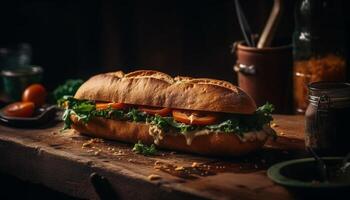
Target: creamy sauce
[156, 133]
[191, 118]
[189, 136]
[262, 135]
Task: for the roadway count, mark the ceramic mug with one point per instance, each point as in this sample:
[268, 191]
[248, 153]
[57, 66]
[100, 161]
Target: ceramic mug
[266, 74]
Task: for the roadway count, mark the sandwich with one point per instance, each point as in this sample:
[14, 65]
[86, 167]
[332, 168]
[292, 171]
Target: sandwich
[197, 115]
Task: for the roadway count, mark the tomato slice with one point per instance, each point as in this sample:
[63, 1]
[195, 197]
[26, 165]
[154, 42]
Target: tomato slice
[195, 118]
[19, 109]
[155, 111]
[102, 106]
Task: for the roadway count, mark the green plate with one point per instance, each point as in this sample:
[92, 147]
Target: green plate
[303, 174]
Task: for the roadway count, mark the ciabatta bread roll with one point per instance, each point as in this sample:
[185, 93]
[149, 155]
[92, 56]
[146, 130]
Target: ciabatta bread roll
[203, 116]
[157, 89]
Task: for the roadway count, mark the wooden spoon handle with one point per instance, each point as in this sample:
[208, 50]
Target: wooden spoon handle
[271, 25]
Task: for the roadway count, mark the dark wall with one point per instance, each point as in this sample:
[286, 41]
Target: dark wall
[79, 38]
[179, 37]
[65, 35]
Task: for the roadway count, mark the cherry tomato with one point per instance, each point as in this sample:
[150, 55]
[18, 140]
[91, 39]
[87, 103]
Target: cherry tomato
[155, 111]
[102, 106]
[195, 118]
[19, 109]
[35, 93]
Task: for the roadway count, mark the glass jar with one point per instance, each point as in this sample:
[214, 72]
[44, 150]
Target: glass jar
[318, 46]
[327, 118]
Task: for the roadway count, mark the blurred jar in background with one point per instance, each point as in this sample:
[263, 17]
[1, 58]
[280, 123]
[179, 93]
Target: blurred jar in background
[16, 72]
[318, 46]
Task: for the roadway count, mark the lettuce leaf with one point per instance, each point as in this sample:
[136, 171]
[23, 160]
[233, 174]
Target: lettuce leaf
[67, 89]
[144, 149]
[236, 123]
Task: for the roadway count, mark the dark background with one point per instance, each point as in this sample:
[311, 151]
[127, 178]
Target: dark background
[79, 38]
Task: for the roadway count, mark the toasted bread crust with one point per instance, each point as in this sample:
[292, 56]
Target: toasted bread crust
[153, 88]
[215, 144]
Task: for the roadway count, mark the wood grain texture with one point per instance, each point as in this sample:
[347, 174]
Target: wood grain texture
[59, 161]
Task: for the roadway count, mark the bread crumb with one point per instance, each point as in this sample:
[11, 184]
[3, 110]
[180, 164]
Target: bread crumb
[153, 177]
[273, 125]
[87, 144]
[119, 153]
[92, 141]
[97, 153]
[157, 162]
[180, 168]
[157, 167]
[97, 140]
[194, 164]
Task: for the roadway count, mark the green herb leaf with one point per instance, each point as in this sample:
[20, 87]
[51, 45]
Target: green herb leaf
[136, 115]
[165, 123]
[83, 109]
[144, 149]
[230, 125]
[183, 128]
[68, 88]
[66, 119]
[161, 122]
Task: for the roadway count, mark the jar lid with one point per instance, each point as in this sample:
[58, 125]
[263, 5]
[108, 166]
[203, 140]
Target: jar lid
[337, 92]
[22, 71]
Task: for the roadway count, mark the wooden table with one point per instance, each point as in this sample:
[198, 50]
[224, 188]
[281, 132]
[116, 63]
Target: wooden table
[64, 162]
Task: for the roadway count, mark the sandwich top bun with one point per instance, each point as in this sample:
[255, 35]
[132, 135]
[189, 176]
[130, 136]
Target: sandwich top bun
[153, 88]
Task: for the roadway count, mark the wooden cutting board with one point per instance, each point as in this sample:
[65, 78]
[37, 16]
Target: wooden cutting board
[64, 162]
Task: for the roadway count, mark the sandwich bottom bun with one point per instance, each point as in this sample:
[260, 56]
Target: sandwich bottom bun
[214, 143]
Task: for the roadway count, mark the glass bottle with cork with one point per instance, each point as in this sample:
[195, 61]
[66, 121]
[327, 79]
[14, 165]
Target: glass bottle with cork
[318, 46]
